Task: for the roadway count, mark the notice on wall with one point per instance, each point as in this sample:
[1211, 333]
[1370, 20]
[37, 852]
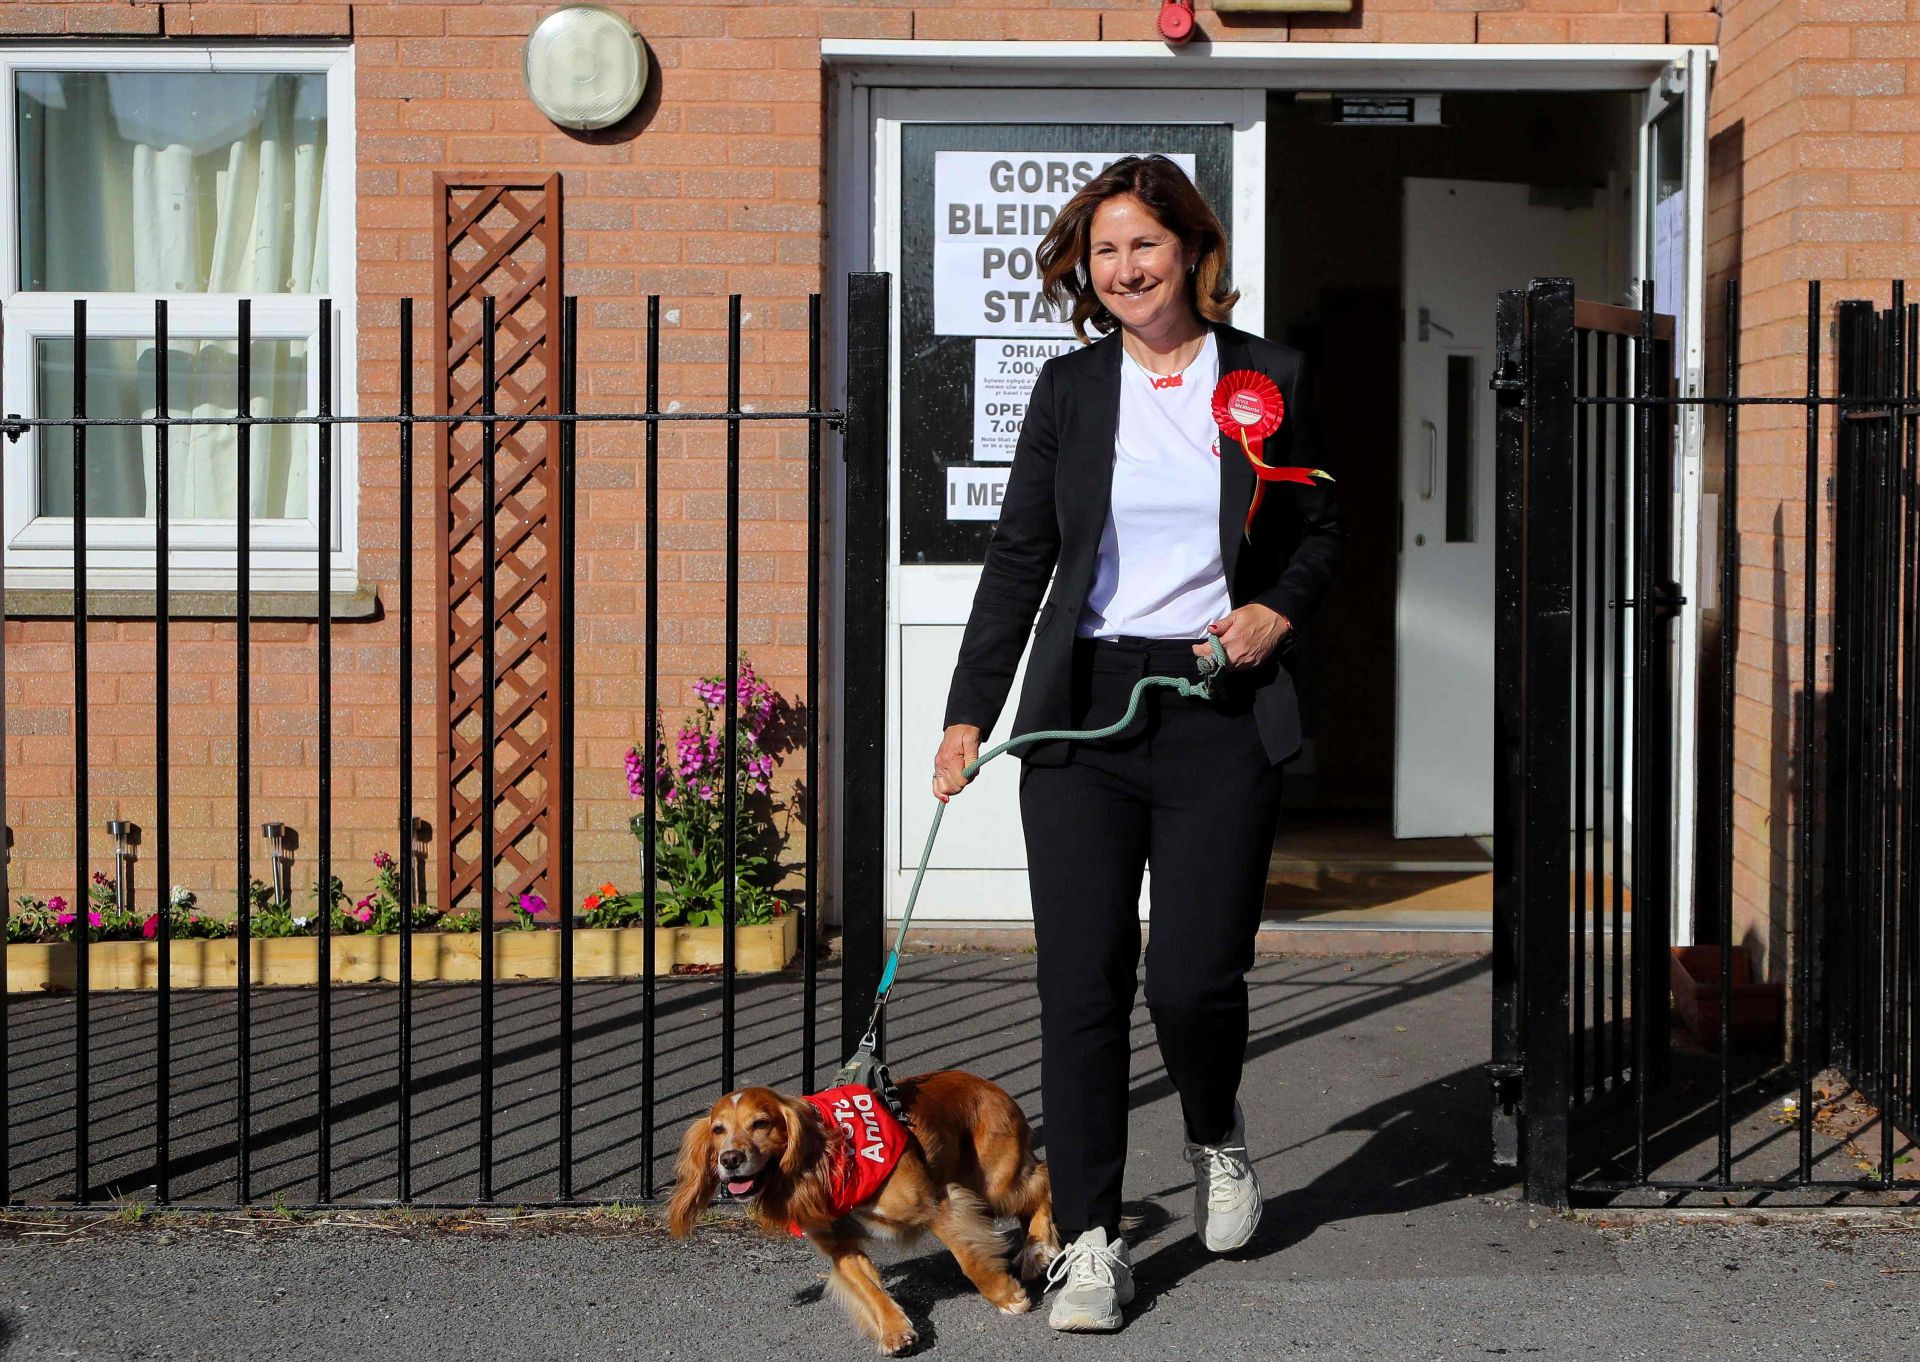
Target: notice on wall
[1003, 375]
[1669, 266]
[991, 210]
[975, 493]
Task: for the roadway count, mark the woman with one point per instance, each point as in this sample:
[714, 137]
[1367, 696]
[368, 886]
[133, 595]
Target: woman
[1124, 494]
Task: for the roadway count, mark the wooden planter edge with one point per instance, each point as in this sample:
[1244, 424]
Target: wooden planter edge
[438, 957]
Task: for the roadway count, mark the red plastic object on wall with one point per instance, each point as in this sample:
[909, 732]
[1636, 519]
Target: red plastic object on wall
[1176, 20]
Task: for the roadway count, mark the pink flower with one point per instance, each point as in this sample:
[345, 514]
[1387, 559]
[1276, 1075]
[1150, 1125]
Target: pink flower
[381, 860]
[57, 904]
[93, 919]
[366, 903]
[65, 919]
[364, 914]
[151, 928]
[532, 904]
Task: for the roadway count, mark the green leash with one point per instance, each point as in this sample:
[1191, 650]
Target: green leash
[864, 1067]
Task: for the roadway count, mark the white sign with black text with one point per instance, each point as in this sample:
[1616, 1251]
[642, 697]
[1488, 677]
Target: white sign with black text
[975, 493]
[991, 210]
[1003, 375]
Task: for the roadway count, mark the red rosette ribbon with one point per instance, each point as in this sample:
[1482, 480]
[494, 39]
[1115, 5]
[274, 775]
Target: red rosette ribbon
[1247, 407]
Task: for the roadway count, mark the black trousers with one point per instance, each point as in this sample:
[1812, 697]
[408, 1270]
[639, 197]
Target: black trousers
[1188, 790]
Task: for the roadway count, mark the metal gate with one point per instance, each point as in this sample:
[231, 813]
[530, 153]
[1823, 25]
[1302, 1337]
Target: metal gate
[1599, 1092]
[1584, 666]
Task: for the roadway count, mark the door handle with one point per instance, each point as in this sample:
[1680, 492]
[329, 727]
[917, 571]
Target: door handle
[1433, 454]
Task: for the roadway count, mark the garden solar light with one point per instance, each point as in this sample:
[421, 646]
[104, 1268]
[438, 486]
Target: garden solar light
[280, 843]
[126, 836]
[422, 836]
[585, 67]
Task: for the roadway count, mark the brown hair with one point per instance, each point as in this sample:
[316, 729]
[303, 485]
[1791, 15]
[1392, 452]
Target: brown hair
[1171, 197]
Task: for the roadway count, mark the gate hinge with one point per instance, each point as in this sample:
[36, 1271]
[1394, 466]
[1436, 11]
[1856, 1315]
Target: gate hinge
[1507, 377]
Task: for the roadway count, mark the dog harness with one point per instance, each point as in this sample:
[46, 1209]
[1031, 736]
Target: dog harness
[872, 1145]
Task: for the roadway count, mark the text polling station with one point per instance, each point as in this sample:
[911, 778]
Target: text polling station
[992, 208]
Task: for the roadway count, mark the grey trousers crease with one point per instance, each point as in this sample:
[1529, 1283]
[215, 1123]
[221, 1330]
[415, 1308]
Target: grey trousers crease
[1189, 791]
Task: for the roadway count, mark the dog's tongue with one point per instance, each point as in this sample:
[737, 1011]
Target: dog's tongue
[739, 1186]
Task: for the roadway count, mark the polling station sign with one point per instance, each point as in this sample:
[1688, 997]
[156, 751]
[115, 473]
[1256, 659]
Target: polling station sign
[991, 209]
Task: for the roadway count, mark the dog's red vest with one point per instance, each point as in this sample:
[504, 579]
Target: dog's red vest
[873, 1144]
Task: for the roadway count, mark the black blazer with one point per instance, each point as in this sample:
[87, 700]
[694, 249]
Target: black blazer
[1055, 509]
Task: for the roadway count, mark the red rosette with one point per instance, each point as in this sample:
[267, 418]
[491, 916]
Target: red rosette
[1247, 405]
[1248, 408]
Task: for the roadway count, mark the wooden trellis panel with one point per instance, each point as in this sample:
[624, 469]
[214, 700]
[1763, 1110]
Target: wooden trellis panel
[498, 237]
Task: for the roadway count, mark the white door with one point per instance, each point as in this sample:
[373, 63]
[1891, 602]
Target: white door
[965, 182]
[1463, 241]
[1670, 232]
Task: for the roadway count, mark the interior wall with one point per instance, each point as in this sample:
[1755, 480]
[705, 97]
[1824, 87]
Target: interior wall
[1333, 289]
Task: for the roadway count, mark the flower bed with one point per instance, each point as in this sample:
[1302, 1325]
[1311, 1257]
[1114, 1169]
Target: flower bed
[364, 958]
[694, 872]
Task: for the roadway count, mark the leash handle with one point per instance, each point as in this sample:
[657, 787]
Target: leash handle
[1211, 666]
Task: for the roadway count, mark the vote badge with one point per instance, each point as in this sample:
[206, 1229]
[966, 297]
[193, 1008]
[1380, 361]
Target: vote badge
[1248, 408]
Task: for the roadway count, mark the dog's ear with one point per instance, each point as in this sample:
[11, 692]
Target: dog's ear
[696, 1179]
[806, 1138]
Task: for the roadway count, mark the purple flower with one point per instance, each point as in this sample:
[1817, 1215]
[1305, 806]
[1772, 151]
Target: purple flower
[532, 904]
[381, 860]
[57, 904]
[706, 793]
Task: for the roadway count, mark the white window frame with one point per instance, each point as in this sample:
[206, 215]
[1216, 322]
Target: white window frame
[38, 548]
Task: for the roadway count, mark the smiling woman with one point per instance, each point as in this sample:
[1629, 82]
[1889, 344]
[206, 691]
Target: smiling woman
[1162, 548]
[1150, 218]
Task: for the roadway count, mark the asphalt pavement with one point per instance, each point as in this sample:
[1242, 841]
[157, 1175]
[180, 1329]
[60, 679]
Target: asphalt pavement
[1388, 1231]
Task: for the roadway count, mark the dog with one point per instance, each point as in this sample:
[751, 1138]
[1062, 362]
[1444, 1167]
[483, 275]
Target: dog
[838, 1169]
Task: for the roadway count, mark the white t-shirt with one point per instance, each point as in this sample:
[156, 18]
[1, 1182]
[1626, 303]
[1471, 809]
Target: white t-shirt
[1159, 573]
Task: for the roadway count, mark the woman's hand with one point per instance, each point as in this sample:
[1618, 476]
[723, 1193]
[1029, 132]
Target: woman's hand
[958, 746]
[1249, 634]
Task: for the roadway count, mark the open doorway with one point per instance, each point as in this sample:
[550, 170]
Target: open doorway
[1385, 247]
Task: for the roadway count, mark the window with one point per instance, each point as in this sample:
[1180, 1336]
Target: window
[201, 177]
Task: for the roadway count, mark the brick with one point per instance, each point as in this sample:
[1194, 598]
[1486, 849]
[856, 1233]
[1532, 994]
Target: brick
[1851, 78]
[866, 23]
[489, 20]
[1523, 28]
[416, 21]
[1693, 28]
[1334, 28]
[1617, 28]
[86, 20]
[1876, 40]
[1427, 28]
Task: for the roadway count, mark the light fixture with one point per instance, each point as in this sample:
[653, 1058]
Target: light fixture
[126, 840]
[585, 67]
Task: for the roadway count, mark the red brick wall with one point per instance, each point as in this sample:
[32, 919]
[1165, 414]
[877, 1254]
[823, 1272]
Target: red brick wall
[1812, 176]
[720, 191]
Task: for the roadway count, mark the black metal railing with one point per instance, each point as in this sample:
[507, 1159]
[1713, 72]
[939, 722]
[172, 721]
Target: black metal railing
[1598, 1095]
[864, 427]
[1872, 903]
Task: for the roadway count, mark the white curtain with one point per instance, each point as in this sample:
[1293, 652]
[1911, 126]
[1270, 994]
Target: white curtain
[177, 183]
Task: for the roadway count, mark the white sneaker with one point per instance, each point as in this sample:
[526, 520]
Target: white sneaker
[1099, 1280]
[1226, 1194]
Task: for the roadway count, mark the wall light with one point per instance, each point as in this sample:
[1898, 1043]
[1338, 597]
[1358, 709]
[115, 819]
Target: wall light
[585, 67]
